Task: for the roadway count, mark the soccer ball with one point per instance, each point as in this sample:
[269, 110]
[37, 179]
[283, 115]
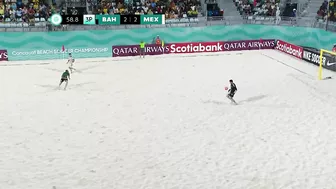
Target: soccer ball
[226, 88]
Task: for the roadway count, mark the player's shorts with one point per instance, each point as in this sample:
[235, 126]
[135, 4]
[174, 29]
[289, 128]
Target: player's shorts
[142, 50]
[64, 80]
[231, 94]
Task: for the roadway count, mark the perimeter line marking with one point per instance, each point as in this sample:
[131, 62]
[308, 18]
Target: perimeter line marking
[310, 76]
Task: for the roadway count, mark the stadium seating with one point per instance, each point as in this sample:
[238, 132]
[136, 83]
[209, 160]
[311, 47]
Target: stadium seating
[30, 11]
[257, 7]
[18, 11]
[213, 10]
[172, 9]
[323, 13]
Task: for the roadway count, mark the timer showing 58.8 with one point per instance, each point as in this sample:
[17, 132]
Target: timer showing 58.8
[57, 19]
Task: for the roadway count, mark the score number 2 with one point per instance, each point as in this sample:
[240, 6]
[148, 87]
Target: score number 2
[126, 19]
[130, 19]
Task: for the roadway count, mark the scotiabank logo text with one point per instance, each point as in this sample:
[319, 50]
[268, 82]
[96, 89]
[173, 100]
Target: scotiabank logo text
[289, 49]
[196, 47]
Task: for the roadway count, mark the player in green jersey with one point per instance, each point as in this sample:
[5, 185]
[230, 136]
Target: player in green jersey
[65, 78]
[142, 49]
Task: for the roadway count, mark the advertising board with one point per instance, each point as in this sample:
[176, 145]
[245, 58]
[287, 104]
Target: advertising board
[194, 47]
[289, 48]
[3, 55]
[313, 56]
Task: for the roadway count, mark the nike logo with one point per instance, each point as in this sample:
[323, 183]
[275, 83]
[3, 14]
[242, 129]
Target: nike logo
[330, 64]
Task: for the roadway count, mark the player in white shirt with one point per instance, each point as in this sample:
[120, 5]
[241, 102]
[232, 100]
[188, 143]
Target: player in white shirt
[71, 62]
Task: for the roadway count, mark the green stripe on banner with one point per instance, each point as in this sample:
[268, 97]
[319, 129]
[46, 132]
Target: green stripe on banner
[85, 44]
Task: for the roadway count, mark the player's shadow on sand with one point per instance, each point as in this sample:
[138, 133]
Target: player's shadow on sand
[214, 102]
[79, 85]
[71, 86]
[251, 99]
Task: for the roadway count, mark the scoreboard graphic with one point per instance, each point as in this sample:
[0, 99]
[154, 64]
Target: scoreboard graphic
[90, 19]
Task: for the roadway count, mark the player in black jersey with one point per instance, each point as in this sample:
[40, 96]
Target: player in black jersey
[232, 91]
[65, 78]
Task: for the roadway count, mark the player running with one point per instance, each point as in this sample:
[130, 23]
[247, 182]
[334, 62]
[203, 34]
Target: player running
[232, 91]
[65, 78]
[71, 61]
